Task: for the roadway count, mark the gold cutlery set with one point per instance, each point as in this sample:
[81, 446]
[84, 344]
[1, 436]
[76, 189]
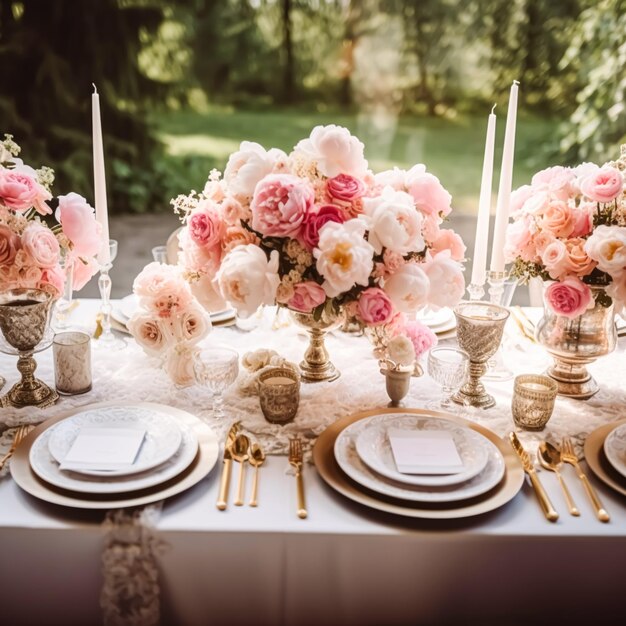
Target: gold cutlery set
[20, 433]
[552, 458]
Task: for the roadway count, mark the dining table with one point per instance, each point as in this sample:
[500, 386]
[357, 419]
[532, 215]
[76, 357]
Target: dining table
[189, 563]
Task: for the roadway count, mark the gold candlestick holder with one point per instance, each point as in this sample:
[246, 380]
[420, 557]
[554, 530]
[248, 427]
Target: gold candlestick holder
[479, 332]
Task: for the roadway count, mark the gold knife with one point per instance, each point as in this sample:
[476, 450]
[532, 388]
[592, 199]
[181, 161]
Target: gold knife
[548, 510]
[228, 461]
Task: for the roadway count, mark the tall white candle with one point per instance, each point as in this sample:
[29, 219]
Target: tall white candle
[99, 180]
[484, 205]
[506, 180]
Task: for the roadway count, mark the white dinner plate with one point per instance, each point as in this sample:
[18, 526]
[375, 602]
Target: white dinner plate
[47, 468]
[351, 463]
[615, 448]
[162, 440]
[436, 319]
[373, 446]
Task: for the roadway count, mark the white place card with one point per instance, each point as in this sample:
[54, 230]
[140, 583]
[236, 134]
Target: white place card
[104, 449]
[424, 451]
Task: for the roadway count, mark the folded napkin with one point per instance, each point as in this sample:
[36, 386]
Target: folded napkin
[104, 449]
[424, 451]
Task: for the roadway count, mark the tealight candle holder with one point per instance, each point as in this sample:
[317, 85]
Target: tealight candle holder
[533, 401]
[72, 363]
[279, 394]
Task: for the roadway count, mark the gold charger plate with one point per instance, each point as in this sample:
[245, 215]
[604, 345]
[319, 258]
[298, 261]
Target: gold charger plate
[329, 470]
[597, 461]
[208, 449]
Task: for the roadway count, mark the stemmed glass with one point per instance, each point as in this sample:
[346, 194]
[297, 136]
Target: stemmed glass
[64, 304]
[107, 339]
[448, 367]
[216, 368]
[159, 254]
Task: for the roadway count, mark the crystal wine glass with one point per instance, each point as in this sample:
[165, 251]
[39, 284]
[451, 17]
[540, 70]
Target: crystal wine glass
[107, 339]
[65, 304]
[448, 367]
[159, 254]
[217, 369]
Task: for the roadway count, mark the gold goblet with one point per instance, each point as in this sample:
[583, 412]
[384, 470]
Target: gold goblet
[24, 320]
[479, 332]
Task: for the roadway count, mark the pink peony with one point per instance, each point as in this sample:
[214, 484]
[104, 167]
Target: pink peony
[558, 218]
[82, 271]
[315, 219]
[197, 258]
[449, 240]
[280, 204]
[569, 297]
[422, 338]
[446, 281]
[519, 240]
[374, 307]
[557, 181]
[41, 244]
[307, 296]
[603, 185]
[429, 194]
[9, 244]
[19, 191]
[519, 197]
[345, 188]
[205, 226]
[79, 224]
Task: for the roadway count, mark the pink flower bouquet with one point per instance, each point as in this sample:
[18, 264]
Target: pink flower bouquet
[36, 247]
[316, 230]
[569, 227]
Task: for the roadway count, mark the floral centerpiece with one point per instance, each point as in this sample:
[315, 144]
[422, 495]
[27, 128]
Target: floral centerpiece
[37, 247]
[317, 232]
[569, 229]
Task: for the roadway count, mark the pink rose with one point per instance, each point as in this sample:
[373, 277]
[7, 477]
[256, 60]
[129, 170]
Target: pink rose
[603, 185]
[306, 297]
[374, 307]
[569, 297]
[315, 219]
[345, 188]
[237, 236]
[556, 259]
[558, 218]
[162, 290]
[41, 244]
[541, 241]
[583, 220]
[9, 243]
[79, 224]
[53, 277]
[205, 226]
[20, 191]
[428, 193]
[280, 204]
[233, 211]
[197, 258]
[449, 240]
[392, 261]
[422, 337]
[579, 261]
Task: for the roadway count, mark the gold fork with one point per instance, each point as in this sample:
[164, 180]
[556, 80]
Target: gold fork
[20, 433]
[295, 459]
[570, 457]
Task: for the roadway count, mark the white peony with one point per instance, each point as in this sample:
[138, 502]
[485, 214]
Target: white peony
[607, 246]
[394, 222]
[344, 257]
[447, 284]
[152, 333]
[391, 178]
[408, 288]
[247, 166]
[247, 279]
[334, 151]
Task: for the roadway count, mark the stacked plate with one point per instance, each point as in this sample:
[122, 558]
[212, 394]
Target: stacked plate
[128, 305]
[176, 451]
[441, 322]
[605, 453]
[355, 457]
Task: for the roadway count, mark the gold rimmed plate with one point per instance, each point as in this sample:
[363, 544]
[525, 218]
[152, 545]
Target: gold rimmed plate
[202, 464]
[331, 473]
[597, 461]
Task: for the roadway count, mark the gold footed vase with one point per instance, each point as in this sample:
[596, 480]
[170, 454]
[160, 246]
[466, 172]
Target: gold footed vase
[316, 366]
[24, 320]
[574, 343]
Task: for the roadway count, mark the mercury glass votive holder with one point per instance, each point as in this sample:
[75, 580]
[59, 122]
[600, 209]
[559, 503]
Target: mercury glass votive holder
[72, 363]
[279, 394]
[533, 401]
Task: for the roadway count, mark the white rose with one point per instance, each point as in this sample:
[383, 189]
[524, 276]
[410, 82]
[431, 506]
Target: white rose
[447, 284]
[408, 288]
[391, 178]
[607, 246]
[401, 350]
[394, 222]
[247, 279]
[258, 359]
[151, 333]
[180, 365]
[344, 257]
[334, 150]
[192, 325]
[247, 166]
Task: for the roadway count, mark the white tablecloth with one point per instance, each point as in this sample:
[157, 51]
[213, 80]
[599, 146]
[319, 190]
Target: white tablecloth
[345, 564]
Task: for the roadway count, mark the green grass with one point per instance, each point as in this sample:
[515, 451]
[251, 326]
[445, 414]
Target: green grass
[451, 149]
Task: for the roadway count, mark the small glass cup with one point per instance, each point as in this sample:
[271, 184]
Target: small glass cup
[533, 401]
[216, 368]
[72, 362]
[159, 254]
[279, 394]
[448, 367]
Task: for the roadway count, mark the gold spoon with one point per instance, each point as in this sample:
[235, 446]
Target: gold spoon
[257, 458]
[239, 452]
[550, 457]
